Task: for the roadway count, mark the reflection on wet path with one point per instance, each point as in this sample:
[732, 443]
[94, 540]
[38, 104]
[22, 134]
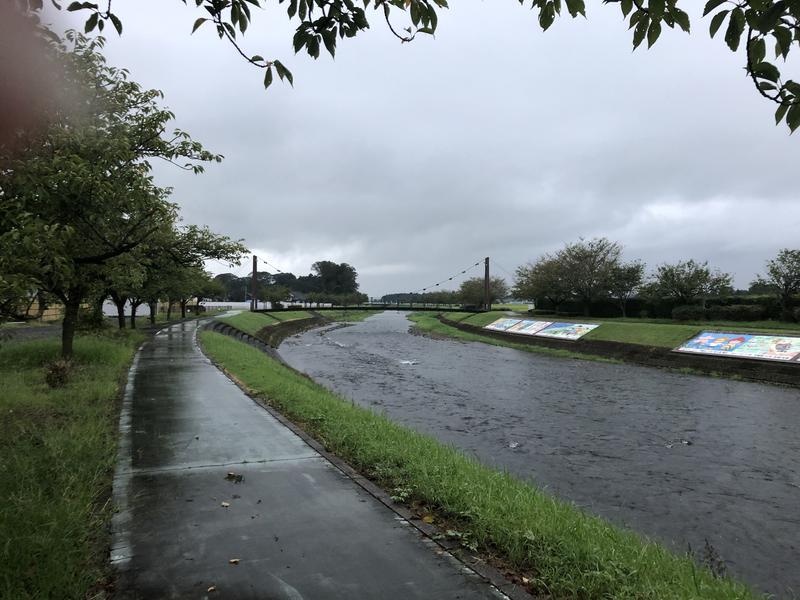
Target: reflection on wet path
[678, 457]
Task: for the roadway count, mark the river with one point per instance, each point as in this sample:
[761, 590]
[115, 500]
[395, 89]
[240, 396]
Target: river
[680, 458]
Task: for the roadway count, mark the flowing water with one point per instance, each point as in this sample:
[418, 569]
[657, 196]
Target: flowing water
[680, 458]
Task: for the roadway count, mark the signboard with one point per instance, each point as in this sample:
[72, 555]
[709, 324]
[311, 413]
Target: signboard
[782, 348]
[564, 331]
[567, 331]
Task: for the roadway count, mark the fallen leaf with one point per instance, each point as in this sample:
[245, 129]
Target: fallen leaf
[427, 519]
[233, 561]
[212, 588]
[225, 504]
[525, 580]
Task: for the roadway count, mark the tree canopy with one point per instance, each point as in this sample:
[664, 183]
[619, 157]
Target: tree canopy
[80, 214]
[763, 31]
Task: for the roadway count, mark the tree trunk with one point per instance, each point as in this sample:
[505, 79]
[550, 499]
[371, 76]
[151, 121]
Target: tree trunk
[153, 306]
[183, 308]
[134, 306]
[42, 305]
[71, 308]
[120, 304]
[622, 306]
[169, 308]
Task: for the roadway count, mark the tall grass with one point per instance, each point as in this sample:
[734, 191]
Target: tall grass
[57, 452]
[563, 551]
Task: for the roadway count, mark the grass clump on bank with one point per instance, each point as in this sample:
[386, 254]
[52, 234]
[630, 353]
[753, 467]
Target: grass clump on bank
[57, 453]
[562, 551]
[291, 315]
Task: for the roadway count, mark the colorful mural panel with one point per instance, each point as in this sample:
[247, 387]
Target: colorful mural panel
[567, 331]
[502, 324]
[743, 345]
[528, 327]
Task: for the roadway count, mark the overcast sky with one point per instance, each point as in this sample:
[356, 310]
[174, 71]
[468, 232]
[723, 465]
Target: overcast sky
[412, 161]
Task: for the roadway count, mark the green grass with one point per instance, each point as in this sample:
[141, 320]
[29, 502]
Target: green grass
[291, 315]
[57, 453]
[348, 316]
[250, 322]
[565, 552]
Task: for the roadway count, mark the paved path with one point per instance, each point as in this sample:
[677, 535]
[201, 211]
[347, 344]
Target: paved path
[297, 525]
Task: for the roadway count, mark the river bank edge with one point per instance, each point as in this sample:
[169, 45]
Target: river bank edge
[650, 356]
[481, 506]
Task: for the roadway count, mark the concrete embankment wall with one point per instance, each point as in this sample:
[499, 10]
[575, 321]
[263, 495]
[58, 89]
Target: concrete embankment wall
[269, 338]
[652, 356]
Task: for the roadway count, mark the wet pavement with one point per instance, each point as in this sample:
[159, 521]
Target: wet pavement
[293, 527]
[681, 458]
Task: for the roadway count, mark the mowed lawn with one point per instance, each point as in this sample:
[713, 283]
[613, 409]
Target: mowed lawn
[57, 455]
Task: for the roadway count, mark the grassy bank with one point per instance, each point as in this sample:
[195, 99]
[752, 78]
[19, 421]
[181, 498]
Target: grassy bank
[347, 316]
[561, 550]
[426, 322]
[57, 453]
[662, 333]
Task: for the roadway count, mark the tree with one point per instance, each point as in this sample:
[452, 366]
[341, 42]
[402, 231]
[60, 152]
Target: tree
[751, 25]
[273, 293]
[783, 277]
[624, 281]
[335, 278]
[471, 291]
[544, 279]
[79, 194]
[689, 281]
[588, 266]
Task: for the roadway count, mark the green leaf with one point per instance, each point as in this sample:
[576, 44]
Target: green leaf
[682, 19]
[783, 37]
[626, 6]
[716, 22]
[640, 31]
[75, 6]
[733, 35]
[268, 78]
[91, 23]
[283, 72]
[198, 22]
[711, 5]
[793, 117]
[780, 113]
[576, 7]
[653, 32]
[765, 70]
[656, 8]
[793, 87]
[766, 86]
[117, 23]
[770, 17]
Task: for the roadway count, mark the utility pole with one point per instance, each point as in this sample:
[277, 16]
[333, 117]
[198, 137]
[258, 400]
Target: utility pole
[254, 285]
[487, 298]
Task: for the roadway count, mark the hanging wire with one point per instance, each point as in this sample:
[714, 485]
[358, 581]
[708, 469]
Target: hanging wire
[464, 271]
[504, 270]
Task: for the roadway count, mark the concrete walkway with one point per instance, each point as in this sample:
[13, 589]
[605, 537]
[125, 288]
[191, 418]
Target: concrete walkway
[294, 527]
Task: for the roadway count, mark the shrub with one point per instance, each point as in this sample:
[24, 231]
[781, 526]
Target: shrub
[56, 374]
[738, 312]
[689, 312]
[540, 311]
